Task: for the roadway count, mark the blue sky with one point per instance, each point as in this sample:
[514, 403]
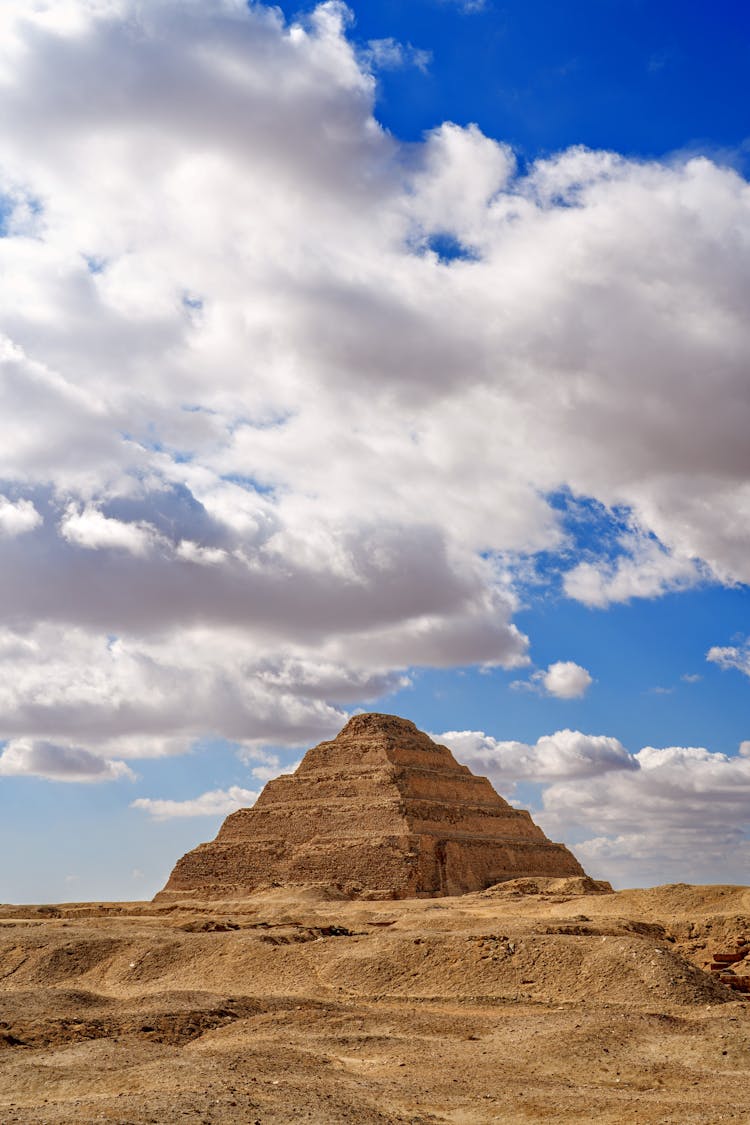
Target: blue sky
[640, 78]
[452, 422]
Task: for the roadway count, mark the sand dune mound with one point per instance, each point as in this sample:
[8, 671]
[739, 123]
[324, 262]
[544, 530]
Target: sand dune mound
[569, 886]
[568, 960]
[688, 899]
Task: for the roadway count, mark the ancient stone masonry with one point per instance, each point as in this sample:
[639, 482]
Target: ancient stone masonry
[733, 966]
[381, 811]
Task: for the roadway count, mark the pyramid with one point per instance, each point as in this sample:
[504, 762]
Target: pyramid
[381, 811]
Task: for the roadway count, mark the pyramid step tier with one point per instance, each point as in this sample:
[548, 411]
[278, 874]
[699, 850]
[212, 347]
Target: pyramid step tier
[381, 809]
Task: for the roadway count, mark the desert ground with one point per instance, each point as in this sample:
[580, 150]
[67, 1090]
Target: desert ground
[536, 1000]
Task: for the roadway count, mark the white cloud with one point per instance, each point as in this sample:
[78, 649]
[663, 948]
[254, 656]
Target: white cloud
[270, 439]
[646, 570]
[683, 813]
[566, 680]
[462, 172]
[680, 813]
[217, 802]
[564, 754]
[154, 697]
[18, 518]
[38, 758]
[93, 531]
[731, 656]
[389, 54]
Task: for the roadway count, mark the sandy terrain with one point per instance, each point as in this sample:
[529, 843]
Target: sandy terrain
[524, 1003]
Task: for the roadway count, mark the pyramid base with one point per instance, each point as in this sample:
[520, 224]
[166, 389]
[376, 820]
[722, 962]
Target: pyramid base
[394, 867]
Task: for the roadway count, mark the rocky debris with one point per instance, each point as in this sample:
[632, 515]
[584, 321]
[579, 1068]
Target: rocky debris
[725, 965]
[381, 811]
[557, 890]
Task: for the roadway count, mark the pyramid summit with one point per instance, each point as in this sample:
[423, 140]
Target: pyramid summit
[381, 810]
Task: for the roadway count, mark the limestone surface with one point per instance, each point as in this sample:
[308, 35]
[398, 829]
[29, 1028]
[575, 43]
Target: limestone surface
[381, 811]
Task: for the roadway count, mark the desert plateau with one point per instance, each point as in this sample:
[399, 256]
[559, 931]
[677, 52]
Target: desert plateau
[535, 1000]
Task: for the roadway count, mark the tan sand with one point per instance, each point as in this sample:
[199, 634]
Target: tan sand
[528, 1002]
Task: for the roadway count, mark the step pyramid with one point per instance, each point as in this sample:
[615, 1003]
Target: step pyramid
[380, 811]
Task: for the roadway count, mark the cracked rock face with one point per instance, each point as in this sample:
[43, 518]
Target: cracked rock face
[380, 811]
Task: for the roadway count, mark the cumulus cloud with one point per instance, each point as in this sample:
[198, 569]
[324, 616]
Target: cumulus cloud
[216, 802]
[272, 441]
[672, 812]
[36, 758]
[682, 814]
[564, 754]
[563, 679]
[17, 519]
[566, 680]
